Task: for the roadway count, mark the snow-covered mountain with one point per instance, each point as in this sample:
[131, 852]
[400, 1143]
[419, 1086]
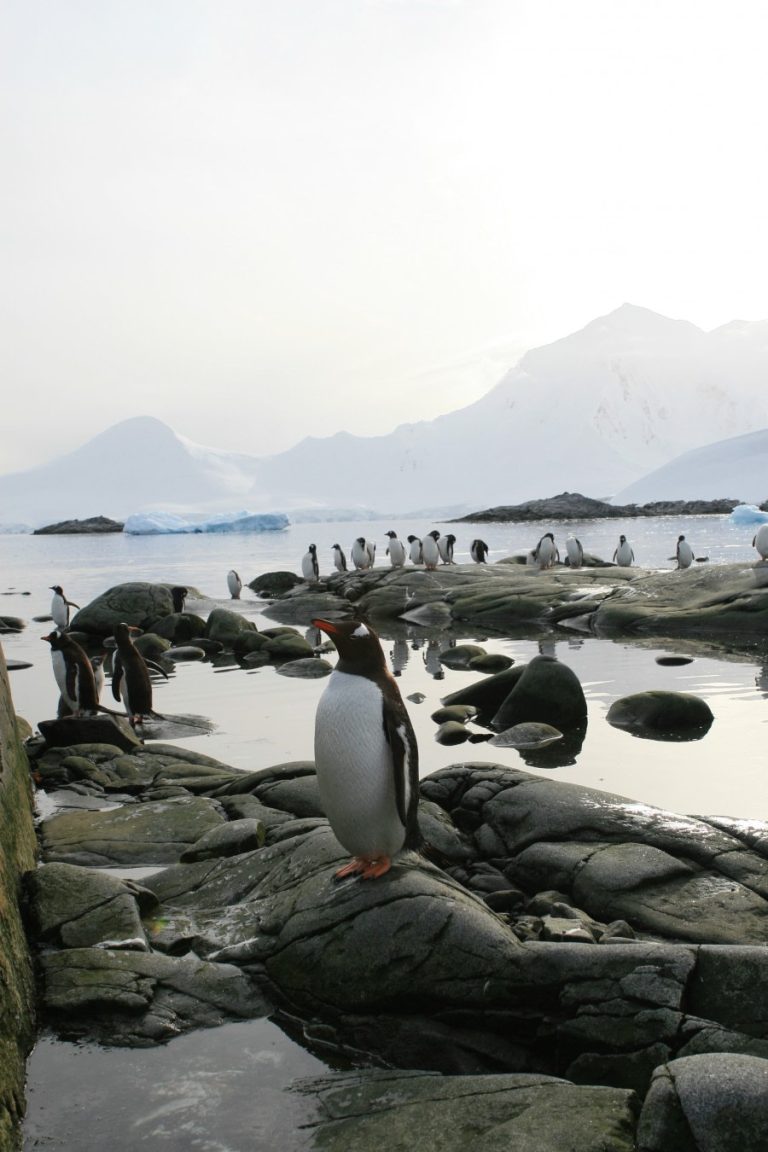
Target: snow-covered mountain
[593, 413]
[136, 465]
[590, 413]
[737, 467]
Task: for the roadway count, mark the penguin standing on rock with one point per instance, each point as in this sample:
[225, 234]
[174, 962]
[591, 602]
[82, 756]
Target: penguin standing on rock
[310, 569]
[683, 553]
[365, 754]
[415, 551]
[363, 553]
[60, 607]
[546, 553]
[478, 551]
[430, 550]
[234, 584]
[624, 556]
[575, 552]
[339, 559]
[179, 595]
[395, 550]
[131, 681]
[445, 548]
[74, 675]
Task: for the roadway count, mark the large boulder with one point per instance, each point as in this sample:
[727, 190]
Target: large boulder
[547, 692]
[138, 603]
[659, 714]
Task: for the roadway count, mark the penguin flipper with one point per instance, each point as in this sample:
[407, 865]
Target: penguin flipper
[117, 676]
[157, 667]
[405, 767]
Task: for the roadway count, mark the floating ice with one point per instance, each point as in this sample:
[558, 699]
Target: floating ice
[170, 523]
[748, 514]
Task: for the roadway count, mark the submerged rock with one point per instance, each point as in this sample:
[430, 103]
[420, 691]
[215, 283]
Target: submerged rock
[658, 713]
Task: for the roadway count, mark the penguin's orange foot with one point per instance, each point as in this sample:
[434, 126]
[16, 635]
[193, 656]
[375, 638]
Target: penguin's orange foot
[367, 867]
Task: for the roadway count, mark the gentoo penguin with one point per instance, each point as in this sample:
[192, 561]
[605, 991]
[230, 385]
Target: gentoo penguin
[624, 556]
[60, 607]
[179, 595]
[234, 583]
[365, 754]
[429, 550]
[395, 550]
[478, 551]
[74, 674]
[310, 569]
[131, 681]
[361, 553]
[546, 552]
[683, 553]
[760, 541]
[575, 552]
[415, 550]
[339, 559]
[445, 548]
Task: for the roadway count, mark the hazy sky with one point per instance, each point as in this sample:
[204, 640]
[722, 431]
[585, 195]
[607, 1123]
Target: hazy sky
[263, 219]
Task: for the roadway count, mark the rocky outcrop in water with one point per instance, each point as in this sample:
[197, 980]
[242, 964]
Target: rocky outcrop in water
[91, 526]
[574, 506]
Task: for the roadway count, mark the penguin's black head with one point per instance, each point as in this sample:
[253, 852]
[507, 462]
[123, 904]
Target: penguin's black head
[622, 539]
[313, 547]
[392, 535]
[58, 589]
[435, 534]
[411, 539]
[53, 638]
[357, 645]
[361, 541]
[680, 538]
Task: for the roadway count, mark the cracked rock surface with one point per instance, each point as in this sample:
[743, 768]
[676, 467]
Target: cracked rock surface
[564, 957]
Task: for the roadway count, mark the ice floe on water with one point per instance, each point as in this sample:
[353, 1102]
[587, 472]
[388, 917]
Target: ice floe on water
[169, 523]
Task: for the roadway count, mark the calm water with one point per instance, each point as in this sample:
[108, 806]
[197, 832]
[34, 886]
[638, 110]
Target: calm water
[225, 1090]
[262, 718]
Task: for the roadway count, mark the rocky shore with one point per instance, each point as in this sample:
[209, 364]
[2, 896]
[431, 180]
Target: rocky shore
[561, 968]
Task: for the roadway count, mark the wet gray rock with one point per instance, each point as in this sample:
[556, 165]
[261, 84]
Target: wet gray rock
[674, 876]
[707, 1103]
[451, 732]
[138, 603]
[131, 998]
[79, 907]
[377, 1109]
[180, 627]
[230, 839]
[656, 712]
[460, 655]
[528, 735]
[311, 668]
[547, 692]
[225, 626]
[152, 833]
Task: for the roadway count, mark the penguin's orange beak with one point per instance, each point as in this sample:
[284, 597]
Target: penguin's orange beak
[326, 626]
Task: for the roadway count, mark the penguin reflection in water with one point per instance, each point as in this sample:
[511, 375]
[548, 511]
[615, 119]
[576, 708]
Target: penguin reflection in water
[131, 681]
[365, 754]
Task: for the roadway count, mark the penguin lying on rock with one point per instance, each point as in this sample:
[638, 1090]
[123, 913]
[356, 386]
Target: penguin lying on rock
[365, 754]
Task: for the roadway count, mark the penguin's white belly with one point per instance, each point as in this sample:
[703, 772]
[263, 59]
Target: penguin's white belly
[60, 672]
[354, 767]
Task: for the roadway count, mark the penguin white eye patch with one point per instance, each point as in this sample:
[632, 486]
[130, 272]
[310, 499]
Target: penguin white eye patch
[361, 631]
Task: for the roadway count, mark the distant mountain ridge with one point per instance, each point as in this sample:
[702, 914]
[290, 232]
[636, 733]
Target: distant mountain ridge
[594, 412]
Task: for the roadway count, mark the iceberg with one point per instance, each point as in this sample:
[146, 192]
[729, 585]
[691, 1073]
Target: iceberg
[170, 523]
[747, 514]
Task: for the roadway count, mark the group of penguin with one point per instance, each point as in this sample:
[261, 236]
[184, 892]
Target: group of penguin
[430, 551]
[80, 678]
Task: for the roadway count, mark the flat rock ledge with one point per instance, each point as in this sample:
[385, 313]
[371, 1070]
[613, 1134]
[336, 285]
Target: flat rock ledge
[707, 601]
[565, 968]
